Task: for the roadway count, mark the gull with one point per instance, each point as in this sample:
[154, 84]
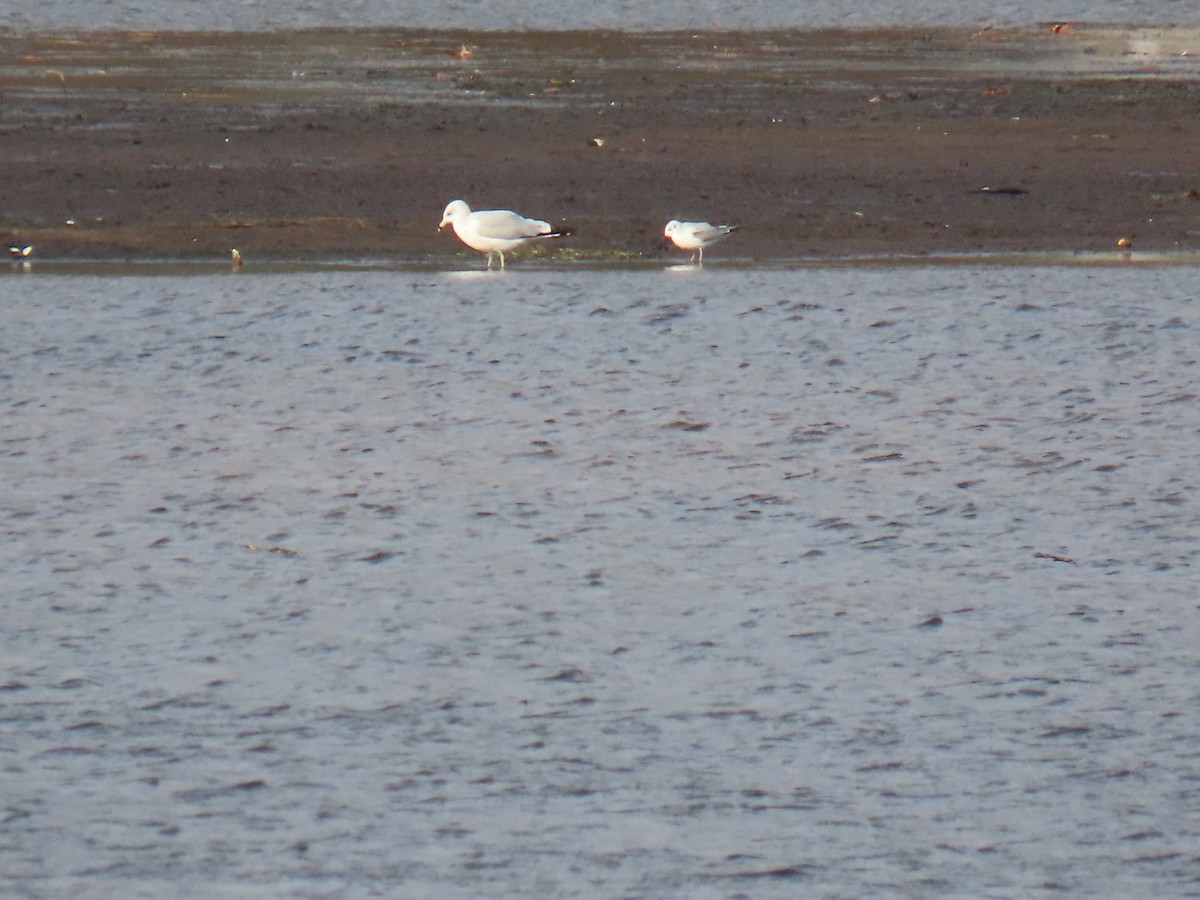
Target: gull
[696, 236]
[496, 231]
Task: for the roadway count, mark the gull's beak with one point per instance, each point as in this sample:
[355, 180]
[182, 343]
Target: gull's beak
[445, 222]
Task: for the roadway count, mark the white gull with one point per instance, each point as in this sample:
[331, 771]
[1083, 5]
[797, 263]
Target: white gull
[496, 231]
[696, 236]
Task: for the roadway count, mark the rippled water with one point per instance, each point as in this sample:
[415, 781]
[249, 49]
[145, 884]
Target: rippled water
[238, 15]
[829, 582]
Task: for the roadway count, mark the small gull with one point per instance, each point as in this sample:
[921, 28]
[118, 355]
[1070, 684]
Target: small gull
[696, 236]
[496, 231]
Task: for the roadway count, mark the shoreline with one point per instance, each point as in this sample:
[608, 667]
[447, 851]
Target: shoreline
[336, 145]
[469, 266]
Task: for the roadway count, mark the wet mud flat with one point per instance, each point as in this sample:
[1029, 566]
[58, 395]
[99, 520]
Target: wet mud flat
[347, 144]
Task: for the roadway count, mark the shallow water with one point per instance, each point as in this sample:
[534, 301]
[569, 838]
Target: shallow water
[243, 15]
[833, 582]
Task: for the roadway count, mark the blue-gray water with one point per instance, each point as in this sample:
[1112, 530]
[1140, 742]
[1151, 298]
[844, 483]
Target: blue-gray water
[240, 15]
[830, 582]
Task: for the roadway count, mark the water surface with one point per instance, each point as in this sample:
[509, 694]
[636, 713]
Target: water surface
[242, 15]
[833, 582]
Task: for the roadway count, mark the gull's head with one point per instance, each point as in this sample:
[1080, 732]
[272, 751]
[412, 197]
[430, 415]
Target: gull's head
[672, 227]
[455, 210]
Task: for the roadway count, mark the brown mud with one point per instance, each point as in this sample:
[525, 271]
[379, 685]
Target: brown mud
[327, 145]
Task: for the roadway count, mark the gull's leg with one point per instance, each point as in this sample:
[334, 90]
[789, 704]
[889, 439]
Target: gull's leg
[489, 259]
[501, 255]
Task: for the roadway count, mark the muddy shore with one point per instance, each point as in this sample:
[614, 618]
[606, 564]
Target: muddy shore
[347, 144]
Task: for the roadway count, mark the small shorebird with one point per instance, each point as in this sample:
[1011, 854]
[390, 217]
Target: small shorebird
[496, 231]
[696, 236]
[20, 257]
